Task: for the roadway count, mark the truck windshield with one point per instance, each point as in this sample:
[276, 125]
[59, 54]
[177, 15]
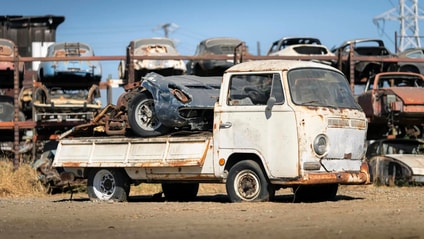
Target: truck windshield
[320, 87]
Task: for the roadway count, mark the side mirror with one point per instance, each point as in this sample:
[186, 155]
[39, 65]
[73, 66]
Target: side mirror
[270, 103]
[121, 69]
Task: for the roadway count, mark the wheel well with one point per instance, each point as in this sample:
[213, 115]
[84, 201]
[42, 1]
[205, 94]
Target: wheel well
[88, 170]
[398, 170]
[235, 158]
[197, 70]
[409, 68]
[40, 75]
[147, 93]
[128, 97]
[371, 68]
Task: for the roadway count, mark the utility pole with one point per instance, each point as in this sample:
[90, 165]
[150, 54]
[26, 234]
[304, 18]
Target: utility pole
[408, 13]
[167, 28]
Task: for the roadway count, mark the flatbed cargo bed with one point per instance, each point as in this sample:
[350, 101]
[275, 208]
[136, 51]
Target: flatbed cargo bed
[166, 151]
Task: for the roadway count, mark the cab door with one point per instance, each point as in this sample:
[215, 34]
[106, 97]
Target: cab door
[246, 124]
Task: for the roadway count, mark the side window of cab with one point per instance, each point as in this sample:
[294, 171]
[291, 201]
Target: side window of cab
[255, 89]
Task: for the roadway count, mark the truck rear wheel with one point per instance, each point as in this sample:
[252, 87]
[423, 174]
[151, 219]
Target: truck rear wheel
[142, 117]
[108, 184]
[247, 182]
[180, 191]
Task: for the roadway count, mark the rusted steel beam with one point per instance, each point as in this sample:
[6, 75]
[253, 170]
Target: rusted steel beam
[16, 109]
[130, 62]
[351, 69]
[73, 58]
[245, 57]
[20, 124]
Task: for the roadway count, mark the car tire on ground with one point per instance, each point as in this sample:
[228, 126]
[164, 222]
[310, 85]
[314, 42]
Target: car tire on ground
[142, 117]
[247, 182]
[108, 184]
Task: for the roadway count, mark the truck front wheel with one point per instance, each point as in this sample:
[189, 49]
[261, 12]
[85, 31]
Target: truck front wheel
[142, 117]
[108, 184]
[247, 182]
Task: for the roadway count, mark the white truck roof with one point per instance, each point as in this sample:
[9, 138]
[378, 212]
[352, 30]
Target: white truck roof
[275, 65]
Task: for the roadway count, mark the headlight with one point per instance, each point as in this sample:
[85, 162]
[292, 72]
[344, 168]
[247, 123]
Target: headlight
[180, 96]
[321, 145]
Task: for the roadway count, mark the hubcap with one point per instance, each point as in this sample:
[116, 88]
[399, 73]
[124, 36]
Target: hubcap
[146, 118]
[104, 184]
[247, 185]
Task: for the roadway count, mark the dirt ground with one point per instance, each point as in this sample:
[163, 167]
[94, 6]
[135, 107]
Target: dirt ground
[358, 212]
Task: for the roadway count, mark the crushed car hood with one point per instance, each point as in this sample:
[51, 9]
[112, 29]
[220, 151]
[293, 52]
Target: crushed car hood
[414, 161]
[203, 91]
[409, 95]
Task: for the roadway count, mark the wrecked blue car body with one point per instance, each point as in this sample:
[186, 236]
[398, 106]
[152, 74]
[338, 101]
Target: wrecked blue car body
[183, 100]
[168, 103]
[70, 74]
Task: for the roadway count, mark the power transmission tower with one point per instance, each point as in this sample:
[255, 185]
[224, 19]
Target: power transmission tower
[408, 13]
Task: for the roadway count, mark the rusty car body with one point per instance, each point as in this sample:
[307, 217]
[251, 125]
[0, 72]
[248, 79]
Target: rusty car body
[396, 161]
[300, 46]
[7, 109]
[222, 46]
[70, 74]
[7, 67]
[170, 102]
[365, 47]
[156, 46]
[414, 53]
[393, 99]
[57, 104]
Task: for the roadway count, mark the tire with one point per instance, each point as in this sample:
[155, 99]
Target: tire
[108, 184]
[182, 192]
[142, 117]
[93, 93]
[41, 95]
[315, 193]
[409, 69]
[246, 182]
[198, 71]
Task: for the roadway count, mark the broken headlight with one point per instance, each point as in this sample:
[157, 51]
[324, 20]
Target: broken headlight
[321, 145]
[180, 96]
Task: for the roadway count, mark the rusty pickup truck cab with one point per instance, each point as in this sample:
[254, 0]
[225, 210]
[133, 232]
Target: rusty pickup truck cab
[277, 124]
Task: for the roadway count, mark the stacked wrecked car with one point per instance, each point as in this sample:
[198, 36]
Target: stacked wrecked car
[67, 88]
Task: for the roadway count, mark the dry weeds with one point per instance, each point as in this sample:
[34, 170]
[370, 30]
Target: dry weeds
[22, 182]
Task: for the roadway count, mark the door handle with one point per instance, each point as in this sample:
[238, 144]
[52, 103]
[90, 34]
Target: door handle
[225, 125]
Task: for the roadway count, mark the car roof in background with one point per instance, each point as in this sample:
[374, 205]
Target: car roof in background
[362, 40]
[299, 40]
[154, 40]
[276, 65]
[7, 42]
[221, 41]
[61, 45]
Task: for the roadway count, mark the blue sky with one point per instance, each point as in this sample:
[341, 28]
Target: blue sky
[108, 26]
